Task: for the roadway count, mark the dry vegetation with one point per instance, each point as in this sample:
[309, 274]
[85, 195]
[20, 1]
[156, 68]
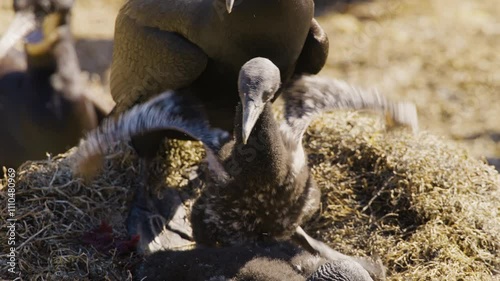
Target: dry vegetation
[426, 206]
[442, 55]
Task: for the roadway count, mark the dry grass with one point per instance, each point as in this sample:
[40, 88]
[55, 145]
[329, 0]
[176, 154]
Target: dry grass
[54, 211]
[423, 205]
[426, 207]
[441, 55]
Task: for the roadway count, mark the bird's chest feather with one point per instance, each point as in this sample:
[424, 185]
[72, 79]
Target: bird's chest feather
[258, 207]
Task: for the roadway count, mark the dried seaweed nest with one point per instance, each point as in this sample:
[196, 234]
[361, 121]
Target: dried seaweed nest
[426, 208]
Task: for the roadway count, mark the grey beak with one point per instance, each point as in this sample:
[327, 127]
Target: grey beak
[21, 26]
[229, 6]
[251, 113]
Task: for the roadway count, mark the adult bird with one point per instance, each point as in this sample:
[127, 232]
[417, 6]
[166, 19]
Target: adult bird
[42, 97]
[202, 44]
[257, 262]
[259, 187]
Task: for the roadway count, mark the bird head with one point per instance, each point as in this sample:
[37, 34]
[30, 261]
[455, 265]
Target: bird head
[258, 82]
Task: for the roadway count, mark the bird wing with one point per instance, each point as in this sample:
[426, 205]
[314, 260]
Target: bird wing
[315, 51]
[168, 114]
[308, 96]
[148, 61]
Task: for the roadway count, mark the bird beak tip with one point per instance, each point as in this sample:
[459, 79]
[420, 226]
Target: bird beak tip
[245, 133]
[229, 6]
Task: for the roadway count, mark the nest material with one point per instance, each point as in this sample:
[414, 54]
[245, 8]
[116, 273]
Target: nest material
[426, 208]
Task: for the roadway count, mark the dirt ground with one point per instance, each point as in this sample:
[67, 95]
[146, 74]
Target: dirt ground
[442, 55]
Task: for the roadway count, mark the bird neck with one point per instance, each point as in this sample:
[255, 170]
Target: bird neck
[262, 156]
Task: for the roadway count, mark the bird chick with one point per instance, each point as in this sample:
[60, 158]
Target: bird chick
[266, 190]
[248, 262]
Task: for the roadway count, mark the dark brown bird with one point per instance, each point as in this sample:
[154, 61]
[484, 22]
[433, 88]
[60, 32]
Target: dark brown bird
[42, 101]
[201, 45]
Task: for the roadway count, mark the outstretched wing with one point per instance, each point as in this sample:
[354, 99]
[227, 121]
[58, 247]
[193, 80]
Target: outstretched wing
[308, 96]
[166, 115]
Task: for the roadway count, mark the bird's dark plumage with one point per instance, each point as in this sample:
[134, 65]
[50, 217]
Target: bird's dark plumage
[43, 105]
[315, 52]
[202, 44]
[248, 262]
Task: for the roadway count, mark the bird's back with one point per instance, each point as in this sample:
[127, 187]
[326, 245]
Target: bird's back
[275, 29]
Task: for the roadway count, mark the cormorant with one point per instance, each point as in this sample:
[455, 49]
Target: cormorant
[43, 103]
[201, 45]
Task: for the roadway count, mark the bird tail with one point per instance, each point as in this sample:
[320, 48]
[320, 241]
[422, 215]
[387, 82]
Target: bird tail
[309, 95]
[164, 113]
